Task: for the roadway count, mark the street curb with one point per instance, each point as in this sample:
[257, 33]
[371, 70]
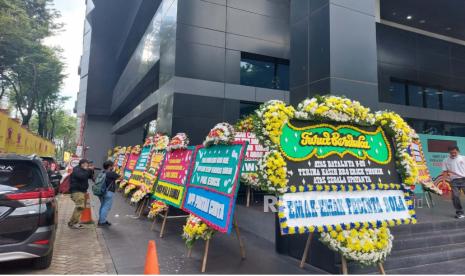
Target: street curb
[109, 264]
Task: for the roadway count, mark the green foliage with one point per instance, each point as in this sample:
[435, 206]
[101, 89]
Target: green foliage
[61, 128]
[31, 73]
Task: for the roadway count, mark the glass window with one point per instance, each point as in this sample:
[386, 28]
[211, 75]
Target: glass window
[453, 101]
[257, 73]
[248, 108]
[435, 128]
[415, 95]
[19, 175]
[282, 76]
[432, 98]
[454, 130]
[396, 93]
[263, 71]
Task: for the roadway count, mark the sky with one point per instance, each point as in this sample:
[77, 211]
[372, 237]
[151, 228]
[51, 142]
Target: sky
[70, 40]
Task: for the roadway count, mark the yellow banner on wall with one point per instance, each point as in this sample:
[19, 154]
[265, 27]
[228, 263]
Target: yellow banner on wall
[20, 136]
[12, 133]
[3, 130]
[14, 138]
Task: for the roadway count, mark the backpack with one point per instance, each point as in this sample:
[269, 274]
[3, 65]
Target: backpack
[97, 188]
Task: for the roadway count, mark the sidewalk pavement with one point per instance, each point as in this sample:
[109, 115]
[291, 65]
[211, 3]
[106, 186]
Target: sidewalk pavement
[77, 251]
[128, 237]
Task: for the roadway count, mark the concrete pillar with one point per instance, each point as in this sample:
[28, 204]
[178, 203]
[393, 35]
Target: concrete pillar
[333, 49]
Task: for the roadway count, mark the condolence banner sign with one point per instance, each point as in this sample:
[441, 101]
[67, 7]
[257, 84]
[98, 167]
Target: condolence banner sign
[317, 208]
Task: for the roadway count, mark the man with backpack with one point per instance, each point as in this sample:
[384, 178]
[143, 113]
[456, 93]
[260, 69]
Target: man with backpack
[78, 188]
[104, 188]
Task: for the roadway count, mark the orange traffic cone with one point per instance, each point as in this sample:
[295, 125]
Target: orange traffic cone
[151, 260]
[86, 215]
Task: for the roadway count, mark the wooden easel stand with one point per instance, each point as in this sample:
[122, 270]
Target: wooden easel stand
[165, 218]
[307, 247]
[141, 206]
[207, 246]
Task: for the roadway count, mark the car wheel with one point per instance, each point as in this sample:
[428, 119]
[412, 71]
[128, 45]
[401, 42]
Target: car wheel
[44, 261]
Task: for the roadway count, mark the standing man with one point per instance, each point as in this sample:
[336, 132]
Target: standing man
[454, 167]
[78, 188]
[106, 199]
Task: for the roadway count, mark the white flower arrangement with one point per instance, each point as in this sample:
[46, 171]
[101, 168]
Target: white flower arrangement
[366, 246]
[336, 109]
[430, 187]
[138, 195]
[222, 133]
[250, 179]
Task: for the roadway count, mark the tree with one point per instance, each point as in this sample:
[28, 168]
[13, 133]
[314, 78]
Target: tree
[23, 58]
[35, 82]
[65, 131]
[62, 131]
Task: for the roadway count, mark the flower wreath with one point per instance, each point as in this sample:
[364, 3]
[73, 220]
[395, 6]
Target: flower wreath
[128, 188]
[136, 149]
[222, 133]
[366, 246]
[122, 183]
[148, 141]
[272, 172]
[140, 193]
[195, 229]
[179, 141]
[272, 115]
[430, 187]
[160, 142]
[247, 125]
[156, 208]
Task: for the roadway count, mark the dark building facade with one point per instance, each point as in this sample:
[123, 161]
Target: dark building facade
[189, 64]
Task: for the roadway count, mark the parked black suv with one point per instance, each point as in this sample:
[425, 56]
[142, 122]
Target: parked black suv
[28, 211]
[53, 171]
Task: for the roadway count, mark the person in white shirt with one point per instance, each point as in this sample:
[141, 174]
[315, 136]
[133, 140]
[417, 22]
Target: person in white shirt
[454, 168]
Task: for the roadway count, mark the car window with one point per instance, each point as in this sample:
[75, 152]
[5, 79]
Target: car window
[19, 175]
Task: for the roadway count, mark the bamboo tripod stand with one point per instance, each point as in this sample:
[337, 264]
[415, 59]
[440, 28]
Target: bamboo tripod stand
[345, 269]
[207, 246]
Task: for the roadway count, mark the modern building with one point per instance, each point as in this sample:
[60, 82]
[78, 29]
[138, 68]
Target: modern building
[189, 64]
